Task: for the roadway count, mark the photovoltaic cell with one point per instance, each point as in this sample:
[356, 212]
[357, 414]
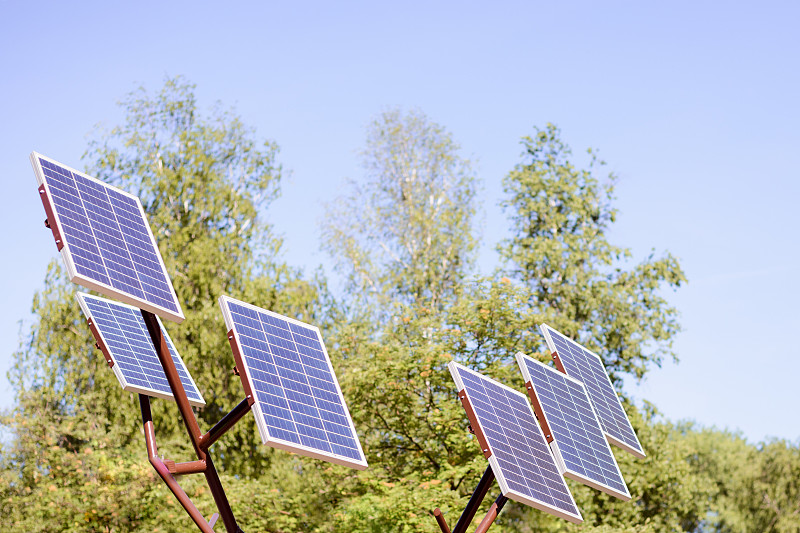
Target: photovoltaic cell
[579, 444]
[299, 406]
[121, 331]
[520, 458]
[107, 243]
[587, 367]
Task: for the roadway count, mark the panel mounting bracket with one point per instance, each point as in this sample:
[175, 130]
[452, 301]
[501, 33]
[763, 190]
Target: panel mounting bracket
[50, 221]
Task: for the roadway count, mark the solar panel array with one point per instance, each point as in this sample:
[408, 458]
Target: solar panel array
[299, 406]
[579, 442]
[108, 245]
[520, 458]
[124, 334]
[587, 367]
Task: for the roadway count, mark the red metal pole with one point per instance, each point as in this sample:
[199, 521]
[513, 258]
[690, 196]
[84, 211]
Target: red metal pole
[225, 511]
[189, 420]
[185, 408]
[225, 423]
[437, 513]
[475, 501]
[152, 454]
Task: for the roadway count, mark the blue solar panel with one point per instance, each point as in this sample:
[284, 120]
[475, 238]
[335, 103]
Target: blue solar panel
[520, 458]
[587, 367]
[108, 245]
[580, 445]
[123, 334]
[299, 406]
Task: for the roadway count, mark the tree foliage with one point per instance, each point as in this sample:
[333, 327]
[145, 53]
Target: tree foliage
[411, 236]
[578, 280]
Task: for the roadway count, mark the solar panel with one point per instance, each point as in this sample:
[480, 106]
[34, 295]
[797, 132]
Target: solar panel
[572, 427]
[586, 366]
[104, 239]
[298, 403]
[514, 444]
[122, 336]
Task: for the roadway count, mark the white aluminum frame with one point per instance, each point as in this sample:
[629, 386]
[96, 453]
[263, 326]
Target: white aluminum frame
[88, 282]
[263, 430]
[522, 359]
[611, 438]
[498, 471]
[130, 387]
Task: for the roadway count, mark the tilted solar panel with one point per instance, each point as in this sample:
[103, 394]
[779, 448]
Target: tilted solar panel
[122, 335]
[514, 444]
[299, 406]
[571, 425]
[104, 239]
[587, 367]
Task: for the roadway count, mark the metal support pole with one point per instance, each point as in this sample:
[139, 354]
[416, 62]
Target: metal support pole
[437, 513]
[475, 501]
[490, 517]
[185, 408]
[160, 467]
[189, 420]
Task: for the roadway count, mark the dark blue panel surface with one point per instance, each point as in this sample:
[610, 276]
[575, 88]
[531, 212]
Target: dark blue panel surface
[128, 341]
[574, 426]
[517, 443]
[587, 368]
[106, 234]
[294, 383]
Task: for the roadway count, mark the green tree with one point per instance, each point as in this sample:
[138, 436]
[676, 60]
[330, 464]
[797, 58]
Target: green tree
[415, 429]
[578, 281]
[410, 239]
[758, 487]
[581, 284]
[406, 252]
[76, 460]
[204, 182]
[770, 499]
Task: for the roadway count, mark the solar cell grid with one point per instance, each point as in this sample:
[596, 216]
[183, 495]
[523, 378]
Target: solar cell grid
[587, 367]
[299, 405]
[124, 335]
[520, 458]
[579, 443]
[107, 244]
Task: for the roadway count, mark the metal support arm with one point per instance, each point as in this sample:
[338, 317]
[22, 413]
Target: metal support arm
[490, 517]
[227, 422]
[180, 469]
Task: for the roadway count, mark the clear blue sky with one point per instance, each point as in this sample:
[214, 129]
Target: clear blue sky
[693, 104]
